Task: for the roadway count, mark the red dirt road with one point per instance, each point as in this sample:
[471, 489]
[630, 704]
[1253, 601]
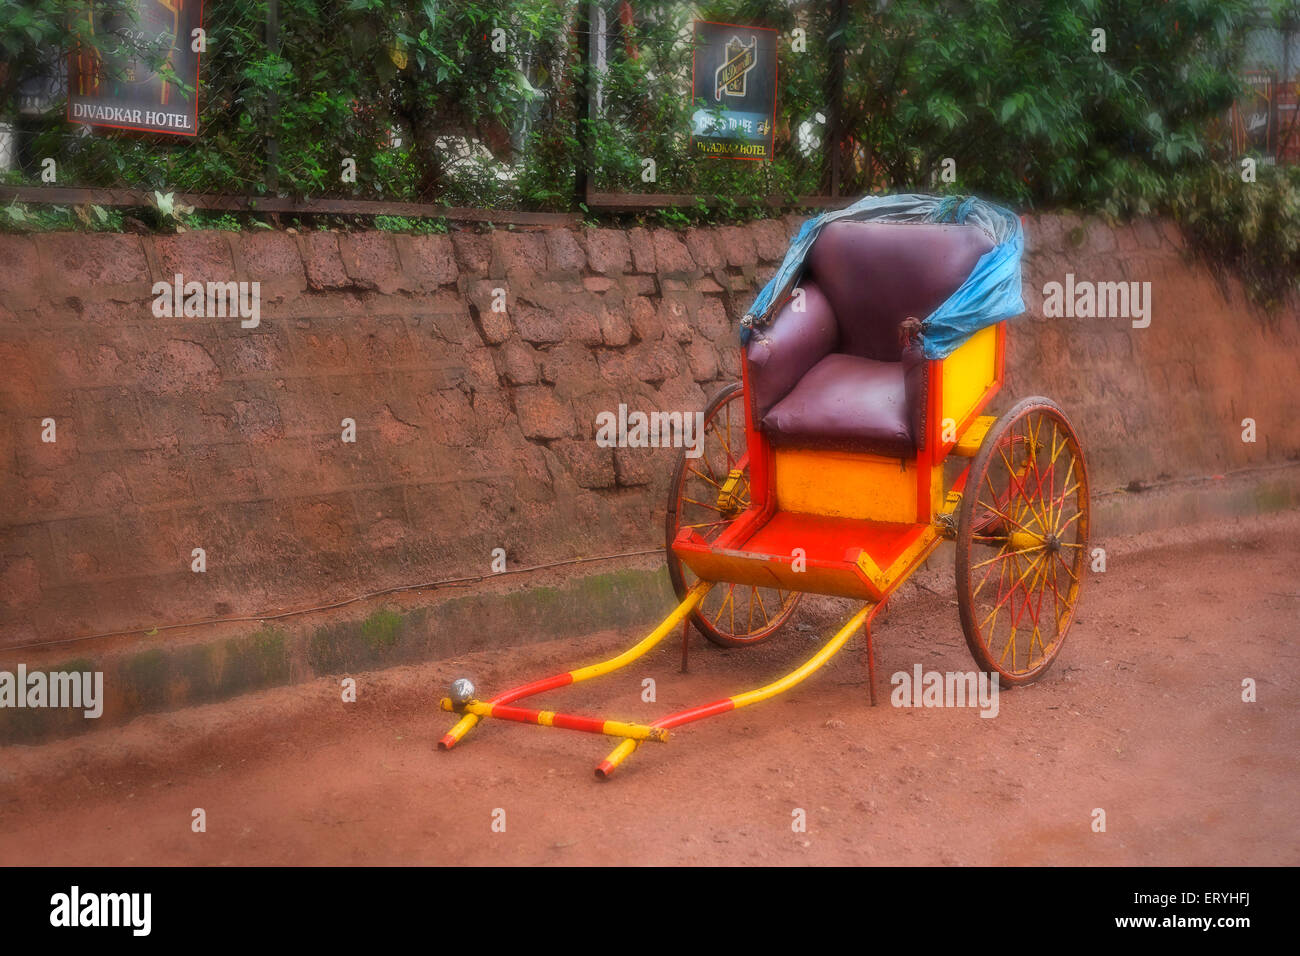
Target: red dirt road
[1142, 716]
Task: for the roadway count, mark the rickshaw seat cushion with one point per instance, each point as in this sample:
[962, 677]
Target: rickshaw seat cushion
[849, 403]
[782, 353]
[876, 274]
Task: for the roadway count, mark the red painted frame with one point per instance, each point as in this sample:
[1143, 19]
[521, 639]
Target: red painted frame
[738, 537]
[932, 452]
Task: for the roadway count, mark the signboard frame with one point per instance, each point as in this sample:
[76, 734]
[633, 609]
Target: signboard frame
[1261, 99]
[188, 17]
[698, 141]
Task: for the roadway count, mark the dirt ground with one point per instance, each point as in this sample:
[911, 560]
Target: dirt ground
[1142, 716]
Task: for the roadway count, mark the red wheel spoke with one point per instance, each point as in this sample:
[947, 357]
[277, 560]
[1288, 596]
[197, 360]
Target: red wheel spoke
[1019, 581]
[1029, 485]
[724, 454]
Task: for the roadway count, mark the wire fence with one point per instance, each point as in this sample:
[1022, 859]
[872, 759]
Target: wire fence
[544, 106]
[351, 100]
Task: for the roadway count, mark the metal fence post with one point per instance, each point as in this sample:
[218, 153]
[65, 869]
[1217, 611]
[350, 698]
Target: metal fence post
[582, 104]
[835, 47]
[273, 101]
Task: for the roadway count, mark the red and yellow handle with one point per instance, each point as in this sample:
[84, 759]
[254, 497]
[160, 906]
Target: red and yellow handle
[624, 750]
[551, 718]
[474, 710]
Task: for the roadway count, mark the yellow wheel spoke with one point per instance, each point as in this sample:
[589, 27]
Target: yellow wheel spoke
[703, 504]
[1067, 568]
[1056, 605]
[985, 580]
[992, 625]
[1033, 446]
[704, 455]
[1051, 481]
[1028, 592]
[705, 478]
[728, 600]
[1031, 460]
[1035, 484]
[1065, 486]
[731, 459]
[1037, 635]
[1069, 521]
[1009, 646]
[1018, 581]
[1056, 451]
[1011, 494]
[1005, 554]
[728, 441]
[1044, 503]
[1004, 517]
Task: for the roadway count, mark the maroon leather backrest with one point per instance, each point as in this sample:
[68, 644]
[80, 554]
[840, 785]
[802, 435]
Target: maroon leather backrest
[876, 274]
[794, 342]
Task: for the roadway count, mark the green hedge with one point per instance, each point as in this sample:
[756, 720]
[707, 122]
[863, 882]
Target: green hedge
[1013, 93]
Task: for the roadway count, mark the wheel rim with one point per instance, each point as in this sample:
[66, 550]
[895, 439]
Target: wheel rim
[707, 495]
[1024, 544]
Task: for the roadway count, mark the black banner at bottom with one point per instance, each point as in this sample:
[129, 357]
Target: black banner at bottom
[489, 907]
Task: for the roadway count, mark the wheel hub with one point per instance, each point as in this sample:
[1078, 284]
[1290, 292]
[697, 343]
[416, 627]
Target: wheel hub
[729, 499]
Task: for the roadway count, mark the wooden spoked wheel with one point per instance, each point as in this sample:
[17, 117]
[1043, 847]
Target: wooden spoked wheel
[1022, 541]
[708, 493]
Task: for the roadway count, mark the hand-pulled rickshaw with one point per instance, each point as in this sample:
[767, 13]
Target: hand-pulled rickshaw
[853, 446]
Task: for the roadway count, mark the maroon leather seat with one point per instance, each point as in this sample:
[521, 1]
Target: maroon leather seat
[836, 375]
[843, 402]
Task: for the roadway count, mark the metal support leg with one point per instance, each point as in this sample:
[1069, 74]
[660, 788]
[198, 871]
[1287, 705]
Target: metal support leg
[871, 665]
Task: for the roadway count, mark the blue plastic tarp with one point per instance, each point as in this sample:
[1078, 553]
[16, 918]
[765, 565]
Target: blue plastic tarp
[990, 294]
